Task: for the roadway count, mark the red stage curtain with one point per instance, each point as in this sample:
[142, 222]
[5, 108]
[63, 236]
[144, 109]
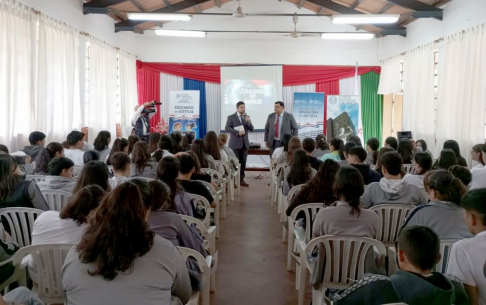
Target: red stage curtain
[148, 86]
[329, 88]
[204, 73]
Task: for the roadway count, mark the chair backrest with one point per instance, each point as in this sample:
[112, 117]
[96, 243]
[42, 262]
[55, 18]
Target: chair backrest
[234, 160]
[20, 222]
[223, 167]
[310, 211]
[200, 200]
[206, 234]
[280, 169]
[77, 170]
[215, 175]
[35, 178]
[408, 168]
[445, 253]
[391, 217]
[345, 258]
[24, 168]
[209, 186]
[56, 200]
[293, 192]
[48, 260]
[204, 265]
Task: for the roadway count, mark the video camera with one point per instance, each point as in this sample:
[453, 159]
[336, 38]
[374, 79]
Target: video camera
[151, 108]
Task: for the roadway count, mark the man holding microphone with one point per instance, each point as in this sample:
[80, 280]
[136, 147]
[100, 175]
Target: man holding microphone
[238, 125]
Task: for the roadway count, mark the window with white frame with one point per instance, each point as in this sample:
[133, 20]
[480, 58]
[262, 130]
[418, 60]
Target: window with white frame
[86, 87]
[118, 98]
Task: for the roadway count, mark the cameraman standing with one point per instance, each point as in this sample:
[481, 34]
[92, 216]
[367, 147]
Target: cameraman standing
[141, 118]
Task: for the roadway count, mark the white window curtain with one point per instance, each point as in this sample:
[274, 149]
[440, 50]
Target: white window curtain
[128, 87]
[57, 109]
[213, 107]
[418, 94]
[17, 59]
[462, 92]
[390, 75]
[103, 89]
[350, 86]
[168, 83]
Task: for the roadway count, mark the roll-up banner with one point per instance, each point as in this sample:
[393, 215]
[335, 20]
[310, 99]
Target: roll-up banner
[184, 112]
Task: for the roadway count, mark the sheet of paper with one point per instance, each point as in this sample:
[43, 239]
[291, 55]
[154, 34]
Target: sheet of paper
[240, 128]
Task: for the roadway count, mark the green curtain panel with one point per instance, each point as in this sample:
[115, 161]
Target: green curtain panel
[371, 107]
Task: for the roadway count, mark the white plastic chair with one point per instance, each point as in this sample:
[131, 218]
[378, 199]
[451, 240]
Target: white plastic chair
[204, 264]
[408, 168]
[286, 200]
[445, 254]
[20, 221]
[35, 178]
[344, 263]
[224, 170]
[25, 168]
[236, 172]
[215, 194]
[20, 277]
[218, 179]
[275, 185]
[56, 200]
[48, 260]
[198, 200]
[210, 243]
[392, 216]
[77, 170]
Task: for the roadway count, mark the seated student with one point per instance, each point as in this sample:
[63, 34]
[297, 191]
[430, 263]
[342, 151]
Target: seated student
[94, 172]
[91, 155]
[462, 173]
[422, 162]
[443, 213]
[205, 160]
[446, 159]
[378, 167]
[120, 145]
[356, 158]
[415, 282]
[391, 142]
[422, 147]
[198, 173]
[14, 190]
[40, 165]
[372, 146]
[405, 149]
[319, 189]
[346, 149]
[299, 171]
[121, 169]
[101, 144]
[131, 142]
[309, 146]
[211, 146]
[168, 171]
[322, 147]
[223, 140]
[37, 141]
[192, 186]
[187, 141]
[75, 152]
[121, 261]
[165, 148]
[336, 146]
[467, 258]
[176, 137]
[355, 139]
[4, 149]
[67, 226]
[477, 155]
[222, 150]
[60, 176]
[153, 142]
[277, 152]
[391, 188]
[142, 164]
[286, 156]
[479, 175]
[20, 295]
[454, 146]
[165, 222]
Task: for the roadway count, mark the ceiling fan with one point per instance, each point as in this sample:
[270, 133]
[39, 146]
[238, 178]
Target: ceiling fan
[239, 11]
[294, 33]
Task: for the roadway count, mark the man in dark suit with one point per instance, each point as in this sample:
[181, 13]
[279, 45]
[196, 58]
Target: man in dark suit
[239, 139]
[278, 124]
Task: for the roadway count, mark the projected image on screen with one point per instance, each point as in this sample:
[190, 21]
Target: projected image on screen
[259, 87]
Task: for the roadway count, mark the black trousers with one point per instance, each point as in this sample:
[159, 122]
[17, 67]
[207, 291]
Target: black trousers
[276, 144]
[241, 154]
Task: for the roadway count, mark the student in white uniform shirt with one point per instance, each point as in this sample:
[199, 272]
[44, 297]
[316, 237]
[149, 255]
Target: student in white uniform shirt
[76, 144]
[121, 169]
[101, 144]
[477, 156]
[479, 174]
[468, 257]
[422, 163]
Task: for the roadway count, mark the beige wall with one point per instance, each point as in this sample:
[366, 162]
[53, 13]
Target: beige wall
[392, 115]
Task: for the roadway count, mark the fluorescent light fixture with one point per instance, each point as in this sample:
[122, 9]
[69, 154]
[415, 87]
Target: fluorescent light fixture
[347, 36]
[158, 17]
[180, 33]
[365, 19]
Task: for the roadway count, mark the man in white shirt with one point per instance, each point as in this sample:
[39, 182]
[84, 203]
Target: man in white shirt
[142, 118]
[121, 169]
[468, 257]
[76, 144]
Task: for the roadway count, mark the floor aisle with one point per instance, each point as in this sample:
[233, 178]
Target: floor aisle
[252, 258]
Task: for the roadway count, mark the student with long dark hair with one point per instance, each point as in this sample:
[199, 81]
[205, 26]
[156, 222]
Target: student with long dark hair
[67, 226]
[180, 201]
[153, 142]
[176, 137]
[477, 155]
[120, 260]
[322, 147]
[336, 147]
[422, 147]
[142, 164]
[319, 189]
[131, 143]
[101, 144]
[287, 156]
[60, 176]
[211, 146]
[422, 163]
[372, 146]
[165, 148]
[346, 217]
[447, 159]
[94, 172]
[91, 155]
[443, 213]
[405, 149]
[462, 173]
[205, 160]
[454, 146]
[14, 190]
[299, 172]
[40, 165]
[120, 145]
[187, 141]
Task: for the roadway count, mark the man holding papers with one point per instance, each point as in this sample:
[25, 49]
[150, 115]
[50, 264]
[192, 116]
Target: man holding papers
[238, 125]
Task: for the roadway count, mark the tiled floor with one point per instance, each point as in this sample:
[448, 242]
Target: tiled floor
[252, 258]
